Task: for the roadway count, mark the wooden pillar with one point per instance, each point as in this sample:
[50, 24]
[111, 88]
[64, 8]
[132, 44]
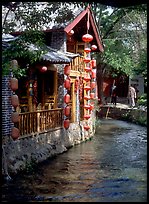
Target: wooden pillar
[30, 96]
[43, 94]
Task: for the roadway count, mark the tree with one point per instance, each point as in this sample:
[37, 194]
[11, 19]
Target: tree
[123, 31]
[30, 18]
[124, 37]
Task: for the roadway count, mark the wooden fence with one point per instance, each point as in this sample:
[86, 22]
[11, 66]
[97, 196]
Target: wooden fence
[39, 121]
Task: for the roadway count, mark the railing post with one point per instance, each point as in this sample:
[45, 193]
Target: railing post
[38, 121]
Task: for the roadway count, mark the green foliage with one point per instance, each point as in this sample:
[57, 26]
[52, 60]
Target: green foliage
[33, 15]
[123, 30]
[19, 49]
[124, 38]
[142, 100]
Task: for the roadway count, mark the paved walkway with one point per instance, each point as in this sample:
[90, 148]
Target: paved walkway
[118, 105]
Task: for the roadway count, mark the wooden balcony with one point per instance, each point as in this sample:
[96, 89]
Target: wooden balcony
[77, 65]
[40, 121]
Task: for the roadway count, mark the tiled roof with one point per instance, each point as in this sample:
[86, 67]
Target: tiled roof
[51, 55]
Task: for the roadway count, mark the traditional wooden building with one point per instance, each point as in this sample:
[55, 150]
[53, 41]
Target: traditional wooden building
[43, 89]
[59, 88]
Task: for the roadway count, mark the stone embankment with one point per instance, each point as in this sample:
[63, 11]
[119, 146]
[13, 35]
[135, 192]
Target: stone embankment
[136, 115]
[26, 152]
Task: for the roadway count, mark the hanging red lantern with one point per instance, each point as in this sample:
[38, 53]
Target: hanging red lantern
[87, 88]
[87, 60]
[87, 50]
[87, 97]
[67, 98]
[92, 95]
[87, 106]
[67, 111]
[67, 84]
[15, 117]
[93, 74]
[87, 69]
[67, 70]
[14, 84]
[86, 127]
[66, 123]
[93, 63]
[87, 38]
[87, 117]
[15, 133]
[94, 47]
[87, 78]
[93, 84]
[43, 69]
[14, 100]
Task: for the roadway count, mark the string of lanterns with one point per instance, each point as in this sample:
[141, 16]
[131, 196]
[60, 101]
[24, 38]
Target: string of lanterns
[67, 85]
[15, 133]
[89, 78]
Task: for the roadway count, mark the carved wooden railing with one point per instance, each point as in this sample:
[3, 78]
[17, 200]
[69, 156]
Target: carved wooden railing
[77, 64]
[39, 121]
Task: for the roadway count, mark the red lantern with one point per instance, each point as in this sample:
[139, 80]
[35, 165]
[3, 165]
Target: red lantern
[87, 50]
[15, 117]
[87, 97]
[67, 84]
[87, 38]
[87, 117]
[92, 95]
[86, 127]
[67, 70]
[87, 88]
[87, 60]
[93, 74]
[87, 69]
[94, 47]
[43, 69]
[87, 78]
[67, 98]
[14, 100]
[15, 133]
[87, 106]
[93, 84]
[66, 123]
[67, 111]
[14, 84]
[93, 63]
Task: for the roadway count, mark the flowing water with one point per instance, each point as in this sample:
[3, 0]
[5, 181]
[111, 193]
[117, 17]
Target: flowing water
[112, 167]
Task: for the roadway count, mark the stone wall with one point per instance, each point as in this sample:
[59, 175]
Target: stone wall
[17, 155]
[7, 108]
[137, 116]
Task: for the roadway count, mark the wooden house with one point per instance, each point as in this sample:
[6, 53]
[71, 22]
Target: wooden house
[54, 110]
[41, 93]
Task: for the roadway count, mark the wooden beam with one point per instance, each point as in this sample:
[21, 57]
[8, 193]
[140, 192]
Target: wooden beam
[76, 21]
[98, 39]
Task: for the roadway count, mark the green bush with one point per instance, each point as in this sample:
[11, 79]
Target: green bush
[142, 100]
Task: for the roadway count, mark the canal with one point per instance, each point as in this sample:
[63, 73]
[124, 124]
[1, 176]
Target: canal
[111, 167]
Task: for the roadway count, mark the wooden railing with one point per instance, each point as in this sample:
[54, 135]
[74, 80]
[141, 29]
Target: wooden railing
[39, 121]
[77, 64]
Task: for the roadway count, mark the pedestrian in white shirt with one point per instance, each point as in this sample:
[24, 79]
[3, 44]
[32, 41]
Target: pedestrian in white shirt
[131, 96]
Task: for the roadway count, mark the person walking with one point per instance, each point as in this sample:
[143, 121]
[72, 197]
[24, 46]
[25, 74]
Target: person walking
[114, 95]
[131, 96]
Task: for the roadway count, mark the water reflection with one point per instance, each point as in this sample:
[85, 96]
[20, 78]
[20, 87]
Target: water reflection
[111, 167]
